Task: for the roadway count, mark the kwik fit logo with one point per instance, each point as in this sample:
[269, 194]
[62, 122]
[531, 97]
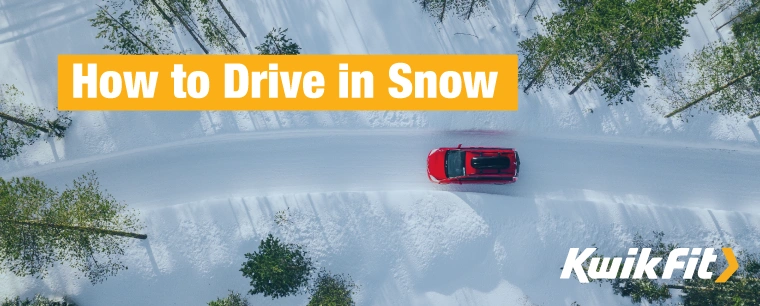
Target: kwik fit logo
[697, 263]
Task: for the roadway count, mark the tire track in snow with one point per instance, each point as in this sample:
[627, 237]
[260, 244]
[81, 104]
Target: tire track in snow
[287, 162]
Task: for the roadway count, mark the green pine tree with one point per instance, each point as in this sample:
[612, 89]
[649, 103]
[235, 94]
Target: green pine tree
[125, 37]
[232, 19]
[723, 77]
[219, 32]
[611, 45]
[38, 300]
[276, 43]
[332, 289]
[467, 8]
[143, 26]
[549, 58]
[744, 8]
[742, 289]
[82, 226]
[277, 269]
[233, 299]
[441, 9]
[22, 125]
[183, 12]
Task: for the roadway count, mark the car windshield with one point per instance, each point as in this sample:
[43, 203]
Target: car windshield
[455, 163]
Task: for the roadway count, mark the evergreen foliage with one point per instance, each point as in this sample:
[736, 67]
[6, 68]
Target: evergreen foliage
[464, 9]
[144, 26]
[22, 125]
[610, 45]
[332, 289]
[233, 299]
[125, 37]
[218, 31]
[277, 269]
[38, 300]
[722, 77]
[82, 226]
[277, 43]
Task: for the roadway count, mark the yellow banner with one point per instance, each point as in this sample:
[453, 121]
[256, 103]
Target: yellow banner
[287, 82]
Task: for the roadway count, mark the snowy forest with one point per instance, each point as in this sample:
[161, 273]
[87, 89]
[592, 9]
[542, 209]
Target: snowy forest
[622, 51]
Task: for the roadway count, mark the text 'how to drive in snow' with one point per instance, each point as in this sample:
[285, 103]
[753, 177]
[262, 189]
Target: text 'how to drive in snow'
[304, 82]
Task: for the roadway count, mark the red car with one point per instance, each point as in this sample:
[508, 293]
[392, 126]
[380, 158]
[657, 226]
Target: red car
[473, 165]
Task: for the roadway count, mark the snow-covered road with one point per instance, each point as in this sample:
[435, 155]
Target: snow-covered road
[267, 163]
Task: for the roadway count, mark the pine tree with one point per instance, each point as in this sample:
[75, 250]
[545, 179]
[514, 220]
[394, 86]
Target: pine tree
[612, 45]
[22, 125]
[549, 58]
[466, 8]
[82, 226]
[277, 269]
[142, 26]
[217, 31]
[332, 289]
[232, 19]
[276, 43]
[134, 27]
[38, 300]
[742, 289]
[127, 38]
[744, 9]
[233, 299]
[182, 11]
[438, 9]
[723, 77]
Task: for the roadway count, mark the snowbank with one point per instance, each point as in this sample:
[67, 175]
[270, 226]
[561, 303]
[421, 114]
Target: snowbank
[402, 248]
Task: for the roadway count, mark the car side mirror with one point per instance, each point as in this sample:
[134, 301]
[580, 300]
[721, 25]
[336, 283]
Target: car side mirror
[459, 146]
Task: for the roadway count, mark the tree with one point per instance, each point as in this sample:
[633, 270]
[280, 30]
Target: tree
[743, 288]
[744, 8]
[234, 22]
[723, 77]
[38, 300]
[552, 56]
[181, 10]
[202, 22]
[612, 45]
[217, 31]
[440, 9]
[277, 269]
[137, 27]
[22, 125]
[465, 8]
[143, 27]
[740, 289]
[83, 226]
[233, 299]
[276, 43]
[332, 289]
[125, 37]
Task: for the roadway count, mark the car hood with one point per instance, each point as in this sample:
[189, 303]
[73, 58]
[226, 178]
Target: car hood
[436, 168]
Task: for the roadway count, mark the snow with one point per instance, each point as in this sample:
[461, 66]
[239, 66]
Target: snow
[208, 184]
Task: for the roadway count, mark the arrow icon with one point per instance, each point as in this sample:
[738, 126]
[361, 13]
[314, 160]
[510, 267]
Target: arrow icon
[733, 265]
